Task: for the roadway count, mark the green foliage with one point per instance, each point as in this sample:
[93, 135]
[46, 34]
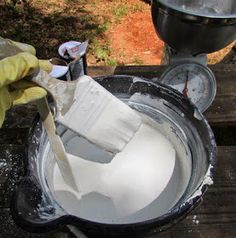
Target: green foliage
[12, 6]
[120, 11]
[111, 62]
[10, 2]
[102, 27]
[102, 52]
[138, 7]
[138, 61]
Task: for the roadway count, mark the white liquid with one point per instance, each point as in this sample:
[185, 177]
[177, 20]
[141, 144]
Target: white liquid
[131, 181]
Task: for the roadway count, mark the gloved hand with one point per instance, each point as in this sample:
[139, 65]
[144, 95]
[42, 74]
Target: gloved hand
[14, 90]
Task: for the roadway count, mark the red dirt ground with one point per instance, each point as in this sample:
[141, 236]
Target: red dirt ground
[134, 40]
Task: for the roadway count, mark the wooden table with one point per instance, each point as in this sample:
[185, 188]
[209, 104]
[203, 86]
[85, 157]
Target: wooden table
[216, 217]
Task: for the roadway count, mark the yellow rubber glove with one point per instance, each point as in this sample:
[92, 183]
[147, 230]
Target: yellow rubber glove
[43, 64]
[14, 90]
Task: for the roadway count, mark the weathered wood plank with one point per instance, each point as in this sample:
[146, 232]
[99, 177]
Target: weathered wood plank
[8, 229]
[225, 135]
[13, 136]
[141, 71]
[20, 116]
[223, 109]
[12, 168]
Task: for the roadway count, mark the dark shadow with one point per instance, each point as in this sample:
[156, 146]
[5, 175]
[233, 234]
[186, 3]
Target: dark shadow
[147, 1]
[46, 30]
[225, 135]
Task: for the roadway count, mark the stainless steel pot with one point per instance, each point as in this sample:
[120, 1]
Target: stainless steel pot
[195, 26]
[35, 206]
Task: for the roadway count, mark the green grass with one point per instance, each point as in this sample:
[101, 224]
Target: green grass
[103, 27]
[111, 62]
[138, 61]
[120, 11]
[138, 7]
[101, 51]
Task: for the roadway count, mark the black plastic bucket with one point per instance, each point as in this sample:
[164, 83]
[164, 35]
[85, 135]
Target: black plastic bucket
[35, 208]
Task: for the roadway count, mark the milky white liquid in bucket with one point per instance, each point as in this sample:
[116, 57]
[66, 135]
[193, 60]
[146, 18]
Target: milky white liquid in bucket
[147, 170]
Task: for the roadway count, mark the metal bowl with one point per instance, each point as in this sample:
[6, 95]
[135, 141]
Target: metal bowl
[195, 27]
